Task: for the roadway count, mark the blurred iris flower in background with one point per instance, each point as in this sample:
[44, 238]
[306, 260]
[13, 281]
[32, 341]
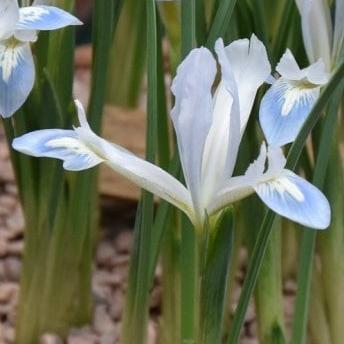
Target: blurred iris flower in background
[18, 28]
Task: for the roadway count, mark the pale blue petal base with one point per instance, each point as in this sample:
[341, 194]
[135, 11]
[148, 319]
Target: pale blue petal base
[281, 129]
[16, 88]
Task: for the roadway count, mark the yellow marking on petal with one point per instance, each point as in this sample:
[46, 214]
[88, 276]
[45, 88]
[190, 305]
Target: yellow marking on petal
[10, 57]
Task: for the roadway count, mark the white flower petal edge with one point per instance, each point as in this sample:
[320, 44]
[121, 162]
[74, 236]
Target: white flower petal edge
[280, 189]
[192, 114]
[249, 64]
[81, 149]
[316, 30]
[45, 18]
[233, 102]
[17, 74]
[287, 104]
[9, 14]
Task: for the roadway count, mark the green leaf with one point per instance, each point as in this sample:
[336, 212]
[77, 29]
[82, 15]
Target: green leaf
[220, 22]
[265, 230]
[214, 278]
[136, 308]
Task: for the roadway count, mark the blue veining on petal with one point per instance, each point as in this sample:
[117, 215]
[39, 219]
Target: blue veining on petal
[296, 199]
[284, 109]
[17, 75]
[45, 18]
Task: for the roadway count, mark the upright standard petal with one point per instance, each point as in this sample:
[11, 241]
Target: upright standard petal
[9, 14]
[294, 198]
[192, 114]
[81, 149]
[316, 30]
[248, 61]
[286, 105]
[216, 160]
[44, 18]
[17, 75]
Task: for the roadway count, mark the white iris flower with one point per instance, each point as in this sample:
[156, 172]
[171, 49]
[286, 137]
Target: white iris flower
[18, 28]
[288, 102]
[209, 128]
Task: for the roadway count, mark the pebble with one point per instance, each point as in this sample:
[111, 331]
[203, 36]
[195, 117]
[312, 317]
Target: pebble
[12, 268]
[156, 297]
[16, 248]
[6, 171]
[105, 253]
[82, 336]
[8, 290]
[50, 339]
[16, 221]
[102, 322]
[116, 304]
[124, 241]
[11, 189]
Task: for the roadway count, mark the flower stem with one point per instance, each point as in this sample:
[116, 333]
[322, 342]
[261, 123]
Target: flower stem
[268, 294]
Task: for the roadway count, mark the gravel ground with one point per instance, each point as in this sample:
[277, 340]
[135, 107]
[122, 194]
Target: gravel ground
[109, 276]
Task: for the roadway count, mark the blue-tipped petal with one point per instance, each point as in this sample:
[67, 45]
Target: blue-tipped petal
[45, 18]
[284, 109]
[17, 76]
[59, 144]
[294, 198]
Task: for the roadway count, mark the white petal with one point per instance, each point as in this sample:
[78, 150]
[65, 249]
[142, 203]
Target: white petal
[17, 75]
[283, 110]
[192, 115]
[60, 144]
[316, 73]
[82, 149]
[215, 162]
[26, 35]
[237, 188]
[45, 18]
[316, 30]
[229, 89]
[240, 187]
[9, 14]
[293, 197]
[248, 61]
[288, 68]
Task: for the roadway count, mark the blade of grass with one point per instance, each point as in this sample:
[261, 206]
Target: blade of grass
[128, 56]
[265, 230]
[220, 22]
[189, 29]
[214, 278]
[136, 308]
[268, 292]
